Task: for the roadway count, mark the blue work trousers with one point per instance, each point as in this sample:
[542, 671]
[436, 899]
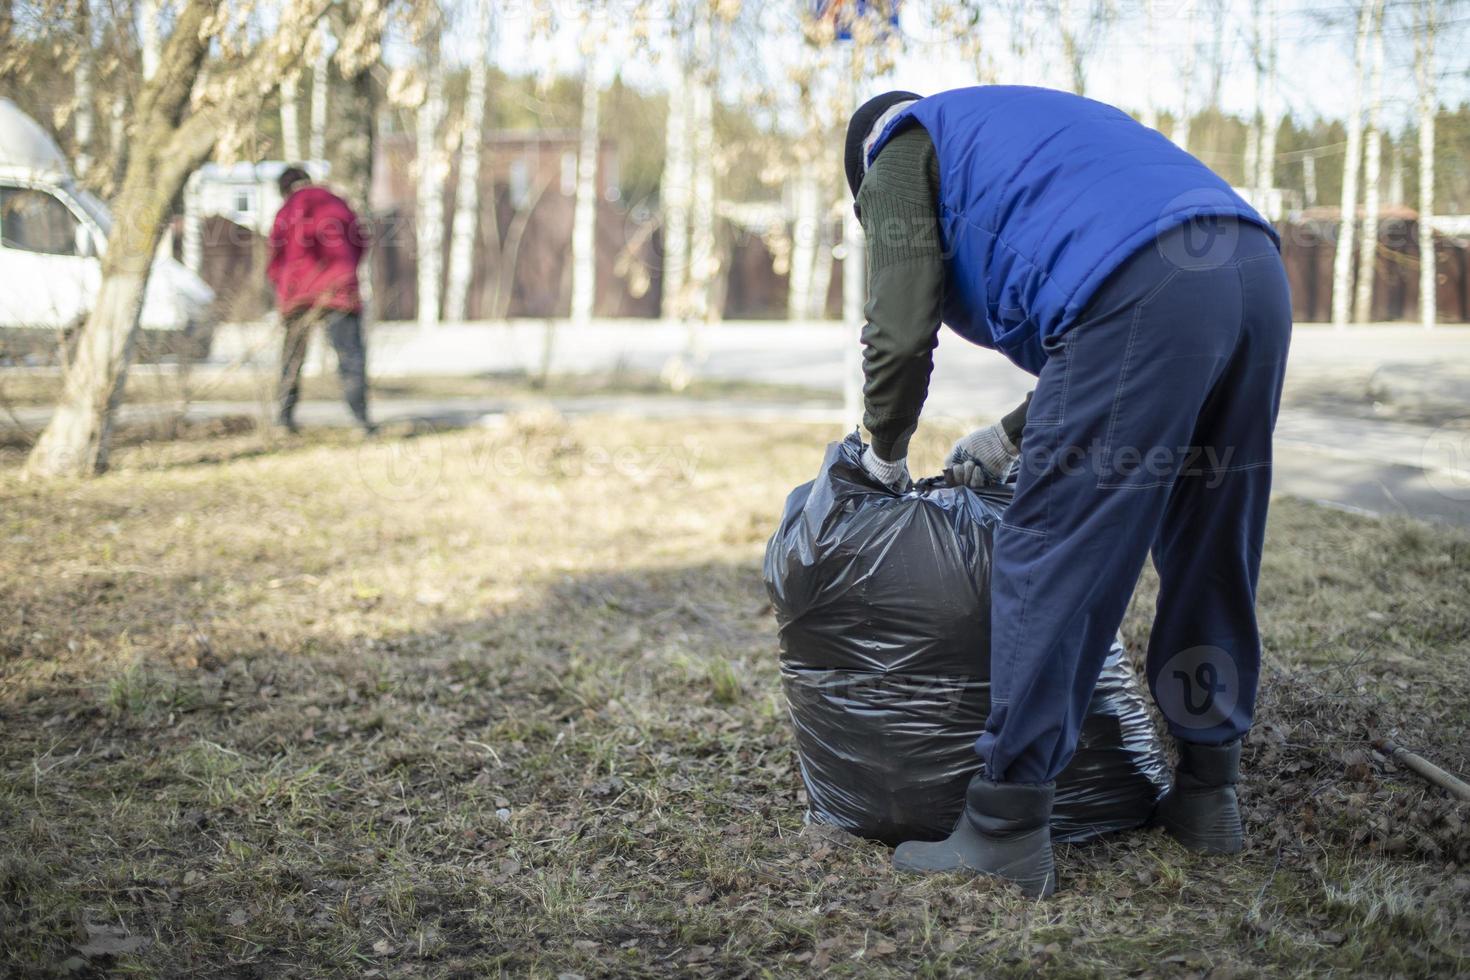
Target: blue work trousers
[1150, 429]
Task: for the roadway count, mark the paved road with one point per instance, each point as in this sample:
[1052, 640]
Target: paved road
[1330, 447]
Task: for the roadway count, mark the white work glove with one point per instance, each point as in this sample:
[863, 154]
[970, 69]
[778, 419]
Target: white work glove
[894, 475]
[981, 459]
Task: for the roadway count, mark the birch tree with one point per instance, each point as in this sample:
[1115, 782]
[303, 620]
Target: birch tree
[467, 191]
[1342, 266]
[1151, 58]
[358, 26]
[148, 44]
[1265, 175]
[84, 112]
[584, 215]
[674, 184]
[807, 222]
[1424, 76]
[1368, 248]
[1182, 124]
[179, 117]
[316, 146]
[1258, 71]
[429, 210]
[702, 258]
[1081, 26]
[290, 119]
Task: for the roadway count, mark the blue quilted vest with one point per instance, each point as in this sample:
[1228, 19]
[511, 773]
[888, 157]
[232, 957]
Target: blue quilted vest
[1042, 195]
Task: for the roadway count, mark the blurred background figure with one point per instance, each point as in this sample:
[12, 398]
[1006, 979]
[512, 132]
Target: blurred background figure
[315, 246]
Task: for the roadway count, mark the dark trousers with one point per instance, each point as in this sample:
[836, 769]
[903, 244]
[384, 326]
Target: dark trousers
[345, 332]
[1150, 429]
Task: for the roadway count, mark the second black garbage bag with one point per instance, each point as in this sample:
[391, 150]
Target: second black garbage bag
[883, 603]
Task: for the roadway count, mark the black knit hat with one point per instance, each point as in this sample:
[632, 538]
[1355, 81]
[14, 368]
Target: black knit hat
[858, 128]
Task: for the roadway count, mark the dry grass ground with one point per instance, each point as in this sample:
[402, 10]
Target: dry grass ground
[506, 701]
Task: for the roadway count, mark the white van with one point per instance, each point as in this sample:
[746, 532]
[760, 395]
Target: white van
[52, 233]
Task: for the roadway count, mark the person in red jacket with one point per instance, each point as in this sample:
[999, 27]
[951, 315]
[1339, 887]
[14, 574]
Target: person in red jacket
[315, 245]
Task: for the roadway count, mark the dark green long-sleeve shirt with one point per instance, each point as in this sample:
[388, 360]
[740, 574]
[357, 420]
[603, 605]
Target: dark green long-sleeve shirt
[899, 211]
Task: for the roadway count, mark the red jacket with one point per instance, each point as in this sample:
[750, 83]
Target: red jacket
[315, 245]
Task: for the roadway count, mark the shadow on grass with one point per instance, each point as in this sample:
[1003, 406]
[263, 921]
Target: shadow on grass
[596, 777]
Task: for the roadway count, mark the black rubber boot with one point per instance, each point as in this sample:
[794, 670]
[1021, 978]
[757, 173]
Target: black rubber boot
[1004, 831]
[1202, 811]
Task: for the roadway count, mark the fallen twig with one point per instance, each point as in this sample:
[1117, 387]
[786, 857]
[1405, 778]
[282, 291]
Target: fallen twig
[1455, 785]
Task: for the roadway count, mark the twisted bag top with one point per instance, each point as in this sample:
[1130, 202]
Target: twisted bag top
[866, 579]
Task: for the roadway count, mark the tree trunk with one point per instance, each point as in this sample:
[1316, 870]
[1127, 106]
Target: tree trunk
[1181, 131]
[162, 154]
[148, 45]
[1151, 58]
[510, 251]
[84, 121]
[1265, 176]
[1220, 21]
[429, 214]
[1424, 72]
[290, 121]
[358, 34]
[1253, 135]
[1373, 165]
[1342, 262]
[193, 250]
[674, 190]
[584, 216]
[117, 136]
[168, 141]
[702, 258]
[316, 147]
[467, 193]
[822, 263]
[804, 243]
[356, 104]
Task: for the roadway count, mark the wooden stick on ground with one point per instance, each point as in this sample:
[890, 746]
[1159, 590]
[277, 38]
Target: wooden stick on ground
[1423, 767]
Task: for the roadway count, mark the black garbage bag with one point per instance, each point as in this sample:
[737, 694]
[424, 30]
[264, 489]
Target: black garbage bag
[883, 602]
